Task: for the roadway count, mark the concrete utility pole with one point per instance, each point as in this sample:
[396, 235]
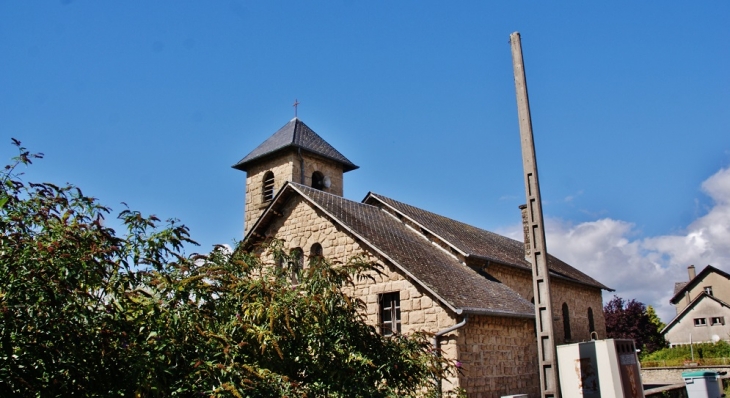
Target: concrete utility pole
[549, 387]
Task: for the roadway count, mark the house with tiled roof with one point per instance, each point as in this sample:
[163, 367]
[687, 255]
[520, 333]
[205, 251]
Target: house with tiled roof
[470, 287]
[702, 308]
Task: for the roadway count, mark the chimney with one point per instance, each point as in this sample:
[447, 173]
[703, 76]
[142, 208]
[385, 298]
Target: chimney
[691, 272]
[526, 231]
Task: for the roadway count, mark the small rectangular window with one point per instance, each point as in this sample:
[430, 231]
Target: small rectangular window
[708, 290]
[718, 320]
[700, 322]
[390, 313]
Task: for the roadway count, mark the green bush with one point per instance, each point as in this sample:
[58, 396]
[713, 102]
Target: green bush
[721, 349]
[88, 312]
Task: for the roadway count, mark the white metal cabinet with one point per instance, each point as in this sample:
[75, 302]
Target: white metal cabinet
[600, 368]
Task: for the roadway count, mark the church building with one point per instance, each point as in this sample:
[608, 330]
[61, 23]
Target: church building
[470, 287]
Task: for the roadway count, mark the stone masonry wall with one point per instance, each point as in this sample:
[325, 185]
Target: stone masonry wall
[674, 374]
[282, 169]
[498, 356]
[302, 226]
[578, 297]
[286, 168]
[327, 167]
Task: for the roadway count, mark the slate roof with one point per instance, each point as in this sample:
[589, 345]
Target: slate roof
[295, 134]
[459, 287]
[479, 243]
[678, 286]
[679, 294]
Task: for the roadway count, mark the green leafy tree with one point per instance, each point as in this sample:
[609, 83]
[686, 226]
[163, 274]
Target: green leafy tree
[654, 318]
[85, 311]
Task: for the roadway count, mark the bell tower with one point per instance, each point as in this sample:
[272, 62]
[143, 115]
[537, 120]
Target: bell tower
[294, 153]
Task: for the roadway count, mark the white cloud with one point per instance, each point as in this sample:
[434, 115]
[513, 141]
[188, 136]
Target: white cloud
[646, 268]
[571, 198]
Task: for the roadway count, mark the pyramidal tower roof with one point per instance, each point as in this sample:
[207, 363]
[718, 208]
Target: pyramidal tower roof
[295, 134]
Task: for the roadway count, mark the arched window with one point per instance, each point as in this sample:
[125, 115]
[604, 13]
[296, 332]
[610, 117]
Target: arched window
[318, 180]
[315, 253]
[295, 263]
[566, 322]
[268, 187]
[591, 325]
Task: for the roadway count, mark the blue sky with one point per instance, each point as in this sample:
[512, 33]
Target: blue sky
[150, 103]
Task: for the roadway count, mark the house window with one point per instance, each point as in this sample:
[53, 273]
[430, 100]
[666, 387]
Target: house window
[591, 324]
[315, 253]
[700, 322]
[318, 180]
[296, 261]
[708, 290]
[268, 186]
[718, 320]
[566, 322]
[390, 313]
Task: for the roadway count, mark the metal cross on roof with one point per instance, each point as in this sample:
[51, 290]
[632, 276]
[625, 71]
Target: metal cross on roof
[295, 105]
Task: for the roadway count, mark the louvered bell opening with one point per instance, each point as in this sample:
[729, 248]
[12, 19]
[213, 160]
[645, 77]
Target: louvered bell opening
[268, 192]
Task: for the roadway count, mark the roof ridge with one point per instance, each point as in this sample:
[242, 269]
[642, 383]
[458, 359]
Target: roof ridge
[475, 241]
[447, 218]
[307, 187]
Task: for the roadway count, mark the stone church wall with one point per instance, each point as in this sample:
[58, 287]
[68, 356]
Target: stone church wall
[281, 166]
[302, 226]
[498, 357]
[498, 354]
[286, 168]
[578, 298]
[328, 168]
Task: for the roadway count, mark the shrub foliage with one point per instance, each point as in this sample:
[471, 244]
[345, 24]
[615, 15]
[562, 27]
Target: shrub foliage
[721, 349]
[85, 311]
